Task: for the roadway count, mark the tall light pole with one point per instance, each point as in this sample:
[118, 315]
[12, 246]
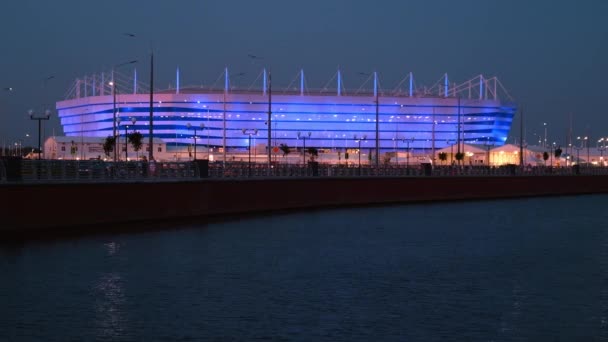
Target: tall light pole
[133, 121]
[488, 146]
[587, 145]
[601, 146]
[521, 140]
[46, 116]
[202, 127]
[249, 132]
[270, 119]
[114, 86]
[545, 142]
[359, 152]
[407, 152]
[377, 107]
[304, 147]
[151, 118]
[578, 149]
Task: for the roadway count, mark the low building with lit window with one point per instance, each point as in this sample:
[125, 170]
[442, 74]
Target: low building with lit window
[85, 148]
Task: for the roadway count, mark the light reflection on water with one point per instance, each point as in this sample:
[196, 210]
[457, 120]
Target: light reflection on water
[518, 270]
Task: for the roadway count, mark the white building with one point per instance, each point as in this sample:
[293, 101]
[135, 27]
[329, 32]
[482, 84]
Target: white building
[84, 148]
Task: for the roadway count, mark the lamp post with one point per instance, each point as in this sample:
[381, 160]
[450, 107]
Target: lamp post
[114, 109]
[587, 145]
[359, 151]
[377, 118]
[601, 146]
[488, 146]
[202, 127]
[118, 121]
[407, 153]
[578, 149]
[46, 116]
[249, 132]
[133, 121]
[545, 141]
[304, 146]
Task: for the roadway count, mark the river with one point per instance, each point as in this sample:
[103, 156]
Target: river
[503, 270]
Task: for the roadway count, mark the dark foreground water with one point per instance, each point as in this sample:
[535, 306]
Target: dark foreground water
[514, 270]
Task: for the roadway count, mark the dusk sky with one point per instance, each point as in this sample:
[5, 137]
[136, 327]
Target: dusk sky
[552, 56]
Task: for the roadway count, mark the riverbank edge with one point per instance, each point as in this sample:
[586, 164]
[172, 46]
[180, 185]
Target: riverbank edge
[47, 208]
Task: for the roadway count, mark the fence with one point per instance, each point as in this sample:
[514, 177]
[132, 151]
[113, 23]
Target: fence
[32, 171]
[45, 171]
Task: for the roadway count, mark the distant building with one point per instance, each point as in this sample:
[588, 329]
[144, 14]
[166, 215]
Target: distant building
[84, 148]
[227, 120]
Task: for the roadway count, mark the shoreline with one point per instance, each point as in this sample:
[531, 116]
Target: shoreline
[52, 208]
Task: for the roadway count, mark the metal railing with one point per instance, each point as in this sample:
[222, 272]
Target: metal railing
[51, 171]
[45, 171]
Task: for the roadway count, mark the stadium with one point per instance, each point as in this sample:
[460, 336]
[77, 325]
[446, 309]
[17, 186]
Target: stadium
[478, 111]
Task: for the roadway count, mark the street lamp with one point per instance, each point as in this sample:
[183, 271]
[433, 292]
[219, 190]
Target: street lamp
[545, 142]
[202, 127]
[304, 146]
[578, 149]
[249, 132]
[488, 146]
[601, 146]
[587, 145]
[359, 152]
[407, 153]
[133, 121]
[112, 83]
[118, 120]
[46, 116]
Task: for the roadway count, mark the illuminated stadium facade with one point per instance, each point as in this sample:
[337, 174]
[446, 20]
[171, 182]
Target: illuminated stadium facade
[335, 118]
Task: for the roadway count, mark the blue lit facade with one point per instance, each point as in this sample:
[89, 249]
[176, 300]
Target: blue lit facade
[333, 121]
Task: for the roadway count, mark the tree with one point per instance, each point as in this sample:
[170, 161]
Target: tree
[443, 156]
[135, 139]
[108, 145]
[545, 157]
[313, 152]
[558, 152]
[285, 149]
[459, 156]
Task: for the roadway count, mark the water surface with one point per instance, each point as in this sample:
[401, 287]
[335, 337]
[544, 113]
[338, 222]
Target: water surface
[512, 270]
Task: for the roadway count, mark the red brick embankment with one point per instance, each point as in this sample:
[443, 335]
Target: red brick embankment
[48, 206]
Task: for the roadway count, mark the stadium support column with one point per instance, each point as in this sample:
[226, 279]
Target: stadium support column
[301, 82]
[177, 81]
[134, 81]
[226, 84]
[264, 83]
[339, 83]
[377, 118]
[445, 86]
[151, 119]
[480, 87]
[411, 84]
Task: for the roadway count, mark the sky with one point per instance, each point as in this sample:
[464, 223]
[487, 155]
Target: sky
[552, 56]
